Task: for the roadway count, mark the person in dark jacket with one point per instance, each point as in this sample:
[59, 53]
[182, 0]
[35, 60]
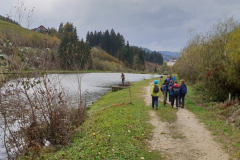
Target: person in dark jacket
[175, 94]
[170, 90]
[164, 89]
[123, 78]
[182, 93]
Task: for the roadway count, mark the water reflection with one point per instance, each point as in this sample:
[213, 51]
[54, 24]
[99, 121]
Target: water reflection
[93, 87]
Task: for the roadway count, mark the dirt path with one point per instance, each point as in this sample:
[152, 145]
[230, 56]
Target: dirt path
[185, 139]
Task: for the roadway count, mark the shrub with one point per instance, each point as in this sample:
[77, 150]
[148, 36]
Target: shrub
[36, 111]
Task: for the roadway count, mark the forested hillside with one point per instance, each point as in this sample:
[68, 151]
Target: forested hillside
[114, 44]
[68, 52]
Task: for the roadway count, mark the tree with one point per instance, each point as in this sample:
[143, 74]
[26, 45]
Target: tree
[212, 60]
[60, 31]
[164, 67]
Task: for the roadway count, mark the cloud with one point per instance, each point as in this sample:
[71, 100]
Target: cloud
[157, 24]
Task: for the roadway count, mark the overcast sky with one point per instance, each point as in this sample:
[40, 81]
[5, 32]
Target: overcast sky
[161, 25]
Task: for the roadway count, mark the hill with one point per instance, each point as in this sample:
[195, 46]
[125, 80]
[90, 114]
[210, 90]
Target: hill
[104, 61]
[24, 37]
[7, 19]
[166, 54]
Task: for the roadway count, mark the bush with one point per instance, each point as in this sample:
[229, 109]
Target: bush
[36, 112]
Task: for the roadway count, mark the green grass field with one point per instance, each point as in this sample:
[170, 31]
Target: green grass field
[114, 129]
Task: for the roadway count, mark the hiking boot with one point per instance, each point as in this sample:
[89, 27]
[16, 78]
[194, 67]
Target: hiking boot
[156, 108]
[164, 103]
[182, 106]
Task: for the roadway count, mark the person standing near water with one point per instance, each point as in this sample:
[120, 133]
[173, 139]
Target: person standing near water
[123, 78]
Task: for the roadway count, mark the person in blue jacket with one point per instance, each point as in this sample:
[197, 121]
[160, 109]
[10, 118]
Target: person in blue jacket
[170, 90]
[173, 79]
[182, 93]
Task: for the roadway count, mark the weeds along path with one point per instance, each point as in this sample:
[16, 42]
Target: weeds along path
[184, 139]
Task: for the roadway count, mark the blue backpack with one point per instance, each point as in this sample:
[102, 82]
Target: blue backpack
[168, 79]
[184, 89]
[170, 88]
[164, 87]
[175, 90]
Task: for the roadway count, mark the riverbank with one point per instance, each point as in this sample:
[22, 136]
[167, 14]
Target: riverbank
[117, 129]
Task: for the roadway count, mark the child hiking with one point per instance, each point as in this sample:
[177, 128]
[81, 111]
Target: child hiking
[164, 89]
[175, 94]
[155, 94]
[170, 90]
[182, 93]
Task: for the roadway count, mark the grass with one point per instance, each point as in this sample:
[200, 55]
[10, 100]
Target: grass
[118, 130]
[114, 129]
[224, 133]
[166, 113]
[25, 37]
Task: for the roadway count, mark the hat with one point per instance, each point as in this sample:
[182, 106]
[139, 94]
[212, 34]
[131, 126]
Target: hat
[155, 81]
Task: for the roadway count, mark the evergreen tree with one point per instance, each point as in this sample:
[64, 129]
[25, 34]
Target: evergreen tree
[60, 31]
[114, 44]
[73, 54]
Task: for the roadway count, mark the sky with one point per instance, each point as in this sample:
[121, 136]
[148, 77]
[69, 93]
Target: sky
[160, 25]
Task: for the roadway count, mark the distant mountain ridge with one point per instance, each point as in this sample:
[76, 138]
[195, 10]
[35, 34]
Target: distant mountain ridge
[166, 54]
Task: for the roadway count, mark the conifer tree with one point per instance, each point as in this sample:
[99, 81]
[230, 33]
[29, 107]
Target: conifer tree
[73, 54]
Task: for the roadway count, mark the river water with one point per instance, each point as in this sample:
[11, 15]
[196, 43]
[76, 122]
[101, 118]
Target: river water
[93, 87]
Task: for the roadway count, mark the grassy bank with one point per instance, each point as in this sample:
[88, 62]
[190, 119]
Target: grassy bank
[114, 129]
[223, 132]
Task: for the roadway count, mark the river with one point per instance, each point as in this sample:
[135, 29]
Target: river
[93, 87]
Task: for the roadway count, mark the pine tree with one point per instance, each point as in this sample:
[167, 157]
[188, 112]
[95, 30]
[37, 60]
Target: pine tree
[60, 31]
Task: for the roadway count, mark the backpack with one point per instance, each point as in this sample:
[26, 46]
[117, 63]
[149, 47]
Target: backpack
[184, 89]
[164, 87]
[175, 90]
[170, 88]
[156, 89]
[168, 79]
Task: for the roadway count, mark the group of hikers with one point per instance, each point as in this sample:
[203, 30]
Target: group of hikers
[171, 89]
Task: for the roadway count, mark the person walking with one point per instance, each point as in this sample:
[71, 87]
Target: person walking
[123, 78]
[173, 79]
[164, 89]
[155, 94]
[170, 90]
[182, 93]
[175, 94]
